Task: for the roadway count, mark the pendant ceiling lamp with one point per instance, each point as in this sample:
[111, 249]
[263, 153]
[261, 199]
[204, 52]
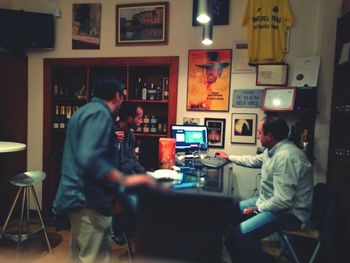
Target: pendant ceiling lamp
[207, 38]
[203, 15]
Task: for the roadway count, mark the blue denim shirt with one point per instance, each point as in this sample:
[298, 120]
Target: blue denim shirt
[88, 157]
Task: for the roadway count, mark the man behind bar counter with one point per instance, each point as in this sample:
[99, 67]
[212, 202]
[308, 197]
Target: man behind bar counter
[90, 178]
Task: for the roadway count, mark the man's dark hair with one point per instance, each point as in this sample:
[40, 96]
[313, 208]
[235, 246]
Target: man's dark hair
[128, 110]
[277, 126]
[106, 87]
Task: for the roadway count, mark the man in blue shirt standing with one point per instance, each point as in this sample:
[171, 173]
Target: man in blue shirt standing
[90, 178]
[285, 196]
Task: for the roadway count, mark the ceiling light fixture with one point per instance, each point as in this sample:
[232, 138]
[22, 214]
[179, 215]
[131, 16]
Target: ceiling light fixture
[207, 38]
[203, 16]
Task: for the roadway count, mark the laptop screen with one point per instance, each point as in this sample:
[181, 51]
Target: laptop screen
[189, 138]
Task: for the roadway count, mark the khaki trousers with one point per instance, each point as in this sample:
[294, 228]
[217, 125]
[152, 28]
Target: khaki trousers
[90, 240]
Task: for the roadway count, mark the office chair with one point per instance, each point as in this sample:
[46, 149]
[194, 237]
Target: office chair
[319, 227]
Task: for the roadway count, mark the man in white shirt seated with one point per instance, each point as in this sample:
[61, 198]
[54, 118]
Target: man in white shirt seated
[285, 196]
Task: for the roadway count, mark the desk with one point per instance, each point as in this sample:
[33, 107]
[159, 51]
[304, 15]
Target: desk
[218, 182]
[6, 147]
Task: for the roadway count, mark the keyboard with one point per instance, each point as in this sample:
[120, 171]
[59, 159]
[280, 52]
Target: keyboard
[211, 161]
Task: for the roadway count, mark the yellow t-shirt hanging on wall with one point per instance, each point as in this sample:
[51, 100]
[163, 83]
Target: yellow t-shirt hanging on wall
[267, 22]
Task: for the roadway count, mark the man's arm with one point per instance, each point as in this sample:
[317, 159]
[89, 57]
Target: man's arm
[251, 161]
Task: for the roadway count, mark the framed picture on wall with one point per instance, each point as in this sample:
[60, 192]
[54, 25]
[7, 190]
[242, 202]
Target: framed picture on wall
[209, 77]
[243, 128]
[216, 132]
[86, 26]
[276, 99]
[142, 24]
[272, 75]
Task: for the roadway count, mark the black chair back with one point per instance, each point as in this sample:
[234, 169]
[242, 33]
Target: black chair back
[180, 227]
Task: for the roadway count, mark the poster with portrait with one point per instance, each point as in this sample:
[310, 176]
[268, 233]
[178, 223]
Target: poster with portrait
[216, 132]
[209, 76]
[243, 128]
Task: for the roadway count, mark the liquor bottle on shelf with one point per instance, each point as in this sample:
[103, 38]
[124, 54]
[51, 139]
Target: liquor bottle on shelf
[55, 88]
[62, 122]
[158, 93]
[56, 117]
[165, 88]
[152, 92]
[144, 92]
[138, 89]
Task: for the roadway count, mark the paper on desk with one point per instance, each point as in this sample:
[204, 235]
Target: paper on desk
[164, 173]
[305, 72]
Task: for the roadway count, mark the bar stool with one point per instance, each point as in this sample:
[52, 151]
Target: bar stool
[25, 182]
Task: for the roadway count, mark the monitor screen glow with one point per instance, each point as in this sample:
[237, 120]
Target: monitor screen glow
[189, 138]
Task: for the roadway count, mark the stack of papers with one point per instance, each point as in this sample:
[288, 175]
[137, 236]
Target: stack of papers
[165, 174]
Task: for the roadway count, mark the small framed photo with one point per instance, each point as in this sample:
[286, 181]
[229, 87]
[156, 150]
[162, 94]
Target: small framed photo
[216, 132]
[279, 99]
[143, 23]
[243, 128]
[191, 121]
[272, 75]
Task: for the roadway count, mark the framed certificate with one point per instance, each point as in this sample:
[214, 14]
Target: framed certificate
[272, 75]
[279, 99]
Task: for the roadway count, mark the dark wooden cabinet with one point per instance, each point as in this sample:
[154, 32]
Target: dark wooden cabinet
[339, 140]
[68, 84]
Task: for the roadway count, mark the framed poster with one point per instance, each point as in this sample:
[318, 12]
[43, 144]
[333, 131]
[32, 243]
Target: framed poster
[276, 99]
[243, 128]
[216, 132]
[209, 77]
[219, 11]
[140, 24]
[86, 26]
[272, 75]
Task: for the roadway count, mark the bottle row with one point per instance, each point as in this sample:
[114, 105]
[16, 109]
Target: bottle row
[342, 153]
[153, 124]
[62, 115]
[146, 91]
[62, 89]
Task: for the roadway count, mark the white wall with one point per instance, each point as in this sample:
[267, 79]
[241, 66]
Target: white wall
[313, 34]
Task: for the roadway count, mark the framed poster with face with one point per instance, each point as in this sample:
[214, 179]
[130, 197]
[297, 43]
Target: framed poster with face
[216, 132]
[243, 128]
[209, 76]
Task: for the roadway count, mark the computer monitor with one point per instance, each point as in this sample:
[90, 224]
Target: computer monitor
[189, 138]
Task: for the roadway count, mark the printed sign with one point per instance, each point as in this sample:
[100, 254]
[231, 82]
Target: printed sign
[247, 98]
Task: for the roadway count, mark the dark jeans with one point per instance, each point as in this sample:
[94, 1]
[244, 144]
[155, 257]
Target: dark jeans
[244, 242]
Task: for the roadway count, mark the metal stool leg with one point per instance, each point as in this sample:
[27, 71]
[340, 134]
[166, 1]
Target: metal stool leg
[41, 219]
[290, 247]
[10, 213]
[19, 241]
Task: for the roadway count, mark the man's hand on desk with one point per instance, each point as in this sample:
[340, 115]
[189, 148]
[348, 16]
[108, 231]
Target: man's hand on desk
[250, 211]
[221, 155]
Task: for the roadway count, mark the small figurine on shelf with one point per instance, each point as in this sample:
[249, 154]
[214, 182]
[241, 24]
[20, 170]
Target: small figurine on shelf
[81, 93]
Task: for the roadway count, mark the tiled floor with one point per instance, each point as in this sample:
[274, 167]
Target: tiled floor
[35, 251]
